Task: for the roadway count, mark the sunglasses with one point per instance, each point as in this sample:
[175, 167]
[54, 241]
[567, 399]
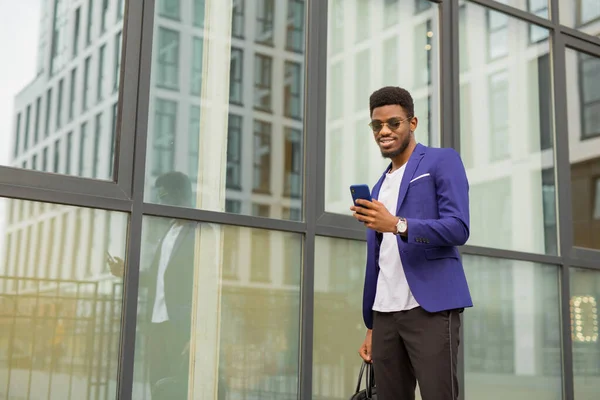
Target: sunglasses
[392, 123]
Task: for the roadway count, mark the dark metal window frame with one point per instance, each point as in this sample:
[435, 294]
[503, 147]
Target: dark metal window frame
[126, 192]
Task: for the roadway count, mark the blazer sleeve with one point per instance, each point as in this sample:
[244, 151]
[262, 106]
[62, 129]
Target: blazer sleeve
[452, 226]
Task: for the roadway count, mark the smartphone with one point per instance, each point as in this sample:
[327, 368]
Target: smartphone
[109, 257]
[360, 192]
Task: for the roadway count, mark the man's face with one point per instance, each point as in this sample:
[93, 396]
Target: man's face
[164, 197]
[392, 129]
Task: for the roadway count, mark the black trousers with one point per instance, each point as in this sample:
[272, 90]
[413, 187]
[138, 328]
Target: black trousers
[415, 345]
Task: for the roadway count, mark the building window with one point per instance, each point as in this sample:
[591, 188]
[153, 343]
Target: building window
[68, 157]
[262, 82]
[59, 102]
[293, 163]
[587, 11]
[83, 157]
[76, 28]
[199, 6]
[86, 84]
[237, 20]
[165, 125]
[233, 206]
[48, 112]
[36, 123]
[17, 136]
[336, 105]
[197, 50]
[45, 159]
[120, 9]
[194, 142]
[72, 88]
[169, 9]
[234, 152]
[113, 139]
[362, 76]
[589, 93]
[117, 72]
[539, 8]
[337, 26]
[362, 26]
[34, 162]
[549, 211]
[57, 157]
[264, 21]
[168, 58]
[236, 76]
[262, 157]
[59, 36]
[293, 90]
[422, 5]
[422, 58]
[498, 95]
[542, 67]
[103, 17]
[90, 22]
[101, 72]
[260, 260]
[295, 26]
[497, 31]
[27, 123]
[97, 137]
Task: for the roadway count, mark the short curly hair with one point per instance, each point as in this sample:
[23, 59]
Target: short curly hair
[392, 95]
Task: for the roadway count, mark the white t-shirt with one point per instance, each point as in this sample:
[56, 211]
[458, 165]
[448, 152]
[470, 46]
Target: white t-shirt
[393, 292]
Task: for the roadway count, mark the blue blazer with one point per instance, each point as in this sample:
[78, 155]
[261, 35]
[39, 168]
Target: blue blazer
[436, 207]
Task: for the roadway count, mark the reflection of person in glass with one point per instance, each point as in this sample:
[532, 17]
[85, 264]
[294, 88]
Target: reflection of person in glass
[169, 281]
[415, 285]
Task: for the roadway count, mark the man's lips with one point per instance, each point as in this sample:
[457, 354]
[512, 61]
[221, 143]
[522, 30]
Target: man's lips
[386, 142]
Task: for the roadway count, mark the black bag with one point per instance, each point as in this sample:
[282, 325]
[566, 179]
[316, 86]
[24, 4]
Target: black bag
[370, 393]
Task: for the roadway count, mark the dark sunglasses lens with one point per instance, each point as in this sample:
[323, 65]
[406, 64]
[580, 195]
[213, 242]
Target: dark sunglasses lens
[394, 124]
[376, 126]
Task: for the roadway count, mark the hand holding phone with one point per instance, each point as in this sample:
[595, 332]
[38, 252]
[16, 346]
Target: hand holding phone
[360, 192]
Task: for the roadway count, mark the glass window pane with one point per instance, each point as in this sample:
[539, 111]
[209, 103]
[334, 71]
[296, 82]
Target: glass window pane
[585, 295]
[583, 107]
[339, 329]
[509, 161]
[60, 308]
[512, 340]
[52, 86]
[581, 14]
[355, 70]
[200, 295]
[245, 122]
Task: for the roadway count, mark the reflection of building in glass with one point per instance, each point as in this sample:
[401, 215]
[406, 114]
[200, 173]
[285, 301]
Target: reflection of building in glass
[264, 128]
[364, 54]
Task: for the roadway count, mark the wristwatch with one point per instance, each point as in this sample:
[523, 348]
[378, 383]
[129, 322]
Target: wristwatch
[401, 226]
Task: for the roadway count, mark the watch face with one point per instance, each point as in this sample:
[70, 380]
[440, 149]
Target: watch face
[401, 226]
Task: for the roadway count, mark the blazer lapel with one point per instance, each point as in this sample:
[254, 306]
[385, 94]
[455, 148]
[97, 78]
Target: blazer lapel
[185, 229]
[411, 167]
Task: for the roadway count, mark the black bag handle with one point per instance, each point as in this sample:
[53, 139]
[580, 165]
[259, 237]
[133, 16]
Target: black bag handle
[369, 379]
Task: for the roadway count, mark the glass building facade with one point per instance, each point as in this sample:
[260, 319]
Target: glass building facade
[263, 105]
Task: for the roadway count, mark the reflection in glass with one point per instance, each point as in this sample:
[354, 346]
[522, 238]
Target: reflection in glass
[583, 15]
[226, 294]
[585, 295]
[236, 132]
[509, 161]
[512, 342]
[53, 85]
[60, 308]
[583, 107]
[355, 70]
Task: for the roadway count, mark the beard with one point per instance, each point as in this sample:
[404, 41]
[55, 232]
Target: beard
[395, 153]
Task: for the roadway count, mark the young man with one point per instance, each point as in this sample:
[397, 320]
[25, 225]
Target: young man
[415, 286]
